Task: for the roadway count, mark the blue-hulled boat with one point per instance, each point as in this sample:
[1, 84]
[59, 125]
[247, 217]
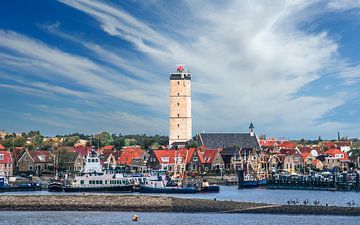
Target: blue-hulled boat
[159, 183]
[206, 187]
[169, 190]
[250, 181]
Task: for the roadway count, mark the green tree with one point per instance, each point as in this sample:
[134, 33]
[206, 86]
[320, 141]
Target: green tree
[70, 141]
[102, 139]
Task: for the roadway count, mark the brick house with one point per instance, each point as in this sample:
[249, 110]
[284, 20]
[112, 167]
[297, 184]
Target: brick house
[133, 158]
[6, 163]
[334, 157]
[36, 162]
[72, 162]
[211, 159]
[180, 159]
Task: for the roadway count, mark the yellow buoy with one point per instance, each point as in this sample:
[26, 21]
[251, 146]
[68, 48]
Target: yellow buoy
[135, 218]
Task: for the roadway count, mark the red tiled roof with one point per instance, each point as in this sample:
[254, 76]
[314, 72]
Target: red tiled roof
[268, 143]
[128, 154]
[2, 147]
[287, 144]
[305, 155]
[84, 151]
[304, 149]
[207, 156]
[107, 147]
[335, 151]
[329, 144]
[6, 157]
[40, 156]
[185, 154]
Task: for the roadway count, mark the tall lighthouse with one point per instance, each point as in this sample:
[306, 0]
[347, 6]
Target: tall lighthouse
[180, 121]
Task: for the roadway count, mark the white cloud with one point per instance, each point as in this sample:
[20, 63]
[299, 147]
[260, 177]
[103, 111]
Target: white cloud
[249, 61]
[343, 4]
[249, 57]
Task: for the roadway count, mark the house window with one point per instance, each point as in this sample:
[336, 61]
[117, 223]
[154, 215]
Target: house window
[178, 94]
[178, 82]
[195, 159]
[1, 156]
[178, 115]
[30, 168]
[178, 136]
[81, 181]
[178, 125]
[165, 159]
[194, 166]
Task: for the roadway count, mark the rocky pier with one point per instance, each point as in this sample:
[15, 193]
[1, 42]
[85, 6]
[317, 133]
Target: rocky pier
[147, 203]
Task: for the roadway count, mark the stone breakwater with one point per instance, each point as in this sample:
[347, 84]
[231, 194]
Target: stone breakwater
[146, 203]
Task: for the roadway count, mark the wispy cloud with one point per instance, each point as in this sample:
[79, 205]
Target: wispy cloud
[250, 58]
[251, 61]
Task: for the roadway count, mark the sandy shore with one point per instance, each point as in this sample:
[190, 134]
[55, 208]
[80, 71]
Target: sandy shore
[146, 203]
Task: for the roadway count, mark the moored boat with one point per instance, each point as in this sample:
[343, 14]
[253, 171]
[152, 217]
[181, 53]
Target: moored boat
[250, 181]
[55, 187]
[94, 179]
[159, 183]
[206, 187]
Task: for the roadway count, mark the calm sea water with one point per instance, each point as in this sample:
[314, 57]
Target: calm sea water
[255, 195]
[89, 218]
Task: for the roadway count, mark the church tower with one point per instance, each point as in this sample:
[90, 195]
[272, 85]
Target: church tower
[180, 106]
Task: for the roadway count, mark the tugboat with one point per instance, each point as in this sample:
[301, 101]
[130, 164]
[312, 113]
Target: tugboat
[55, 187]
[159, 183]
[206, 187]
[94, 179]
[250, 181]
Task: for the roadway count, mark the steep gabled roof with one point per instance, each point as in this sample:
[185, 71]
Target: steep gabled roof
[40, 156]
[128, 154]
[6, 157]
[83, 150]
[305, 155]
[222, 140]
[168, 156]
[207, 156]
[335, 151]
[70, 156]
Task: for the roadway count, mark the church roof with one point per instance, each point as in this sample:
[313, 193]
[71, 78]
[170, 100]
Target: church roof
[223, 140]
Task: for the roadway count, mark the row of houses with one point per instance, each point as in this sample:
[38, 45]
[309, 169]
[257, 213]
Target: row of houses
[219, 152]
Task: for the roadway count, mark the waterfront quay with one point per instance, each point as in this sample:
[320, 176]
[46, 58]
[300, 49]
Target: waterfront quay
[145, 203]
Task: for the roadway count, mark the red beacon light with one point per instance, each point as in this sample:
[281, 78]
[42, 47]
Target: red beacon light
[180, 69]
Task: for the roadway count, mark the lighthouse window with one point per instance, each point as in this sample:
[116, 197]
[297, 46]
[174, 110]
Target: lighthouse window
[178, 104]
[178, 125]
[178, 94]
[178, 82]
[178, 115]
[178, 136]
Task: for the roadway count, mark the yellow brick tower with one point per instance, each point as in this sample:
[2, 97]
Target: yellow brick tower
[180, 106]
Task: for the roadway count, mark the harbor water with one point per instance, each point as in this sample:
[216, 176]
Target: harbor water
[258, 195]
[109, 218]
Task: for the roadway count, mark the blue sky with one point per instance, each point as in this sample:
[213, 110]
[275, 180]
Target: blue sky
[291, 67]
